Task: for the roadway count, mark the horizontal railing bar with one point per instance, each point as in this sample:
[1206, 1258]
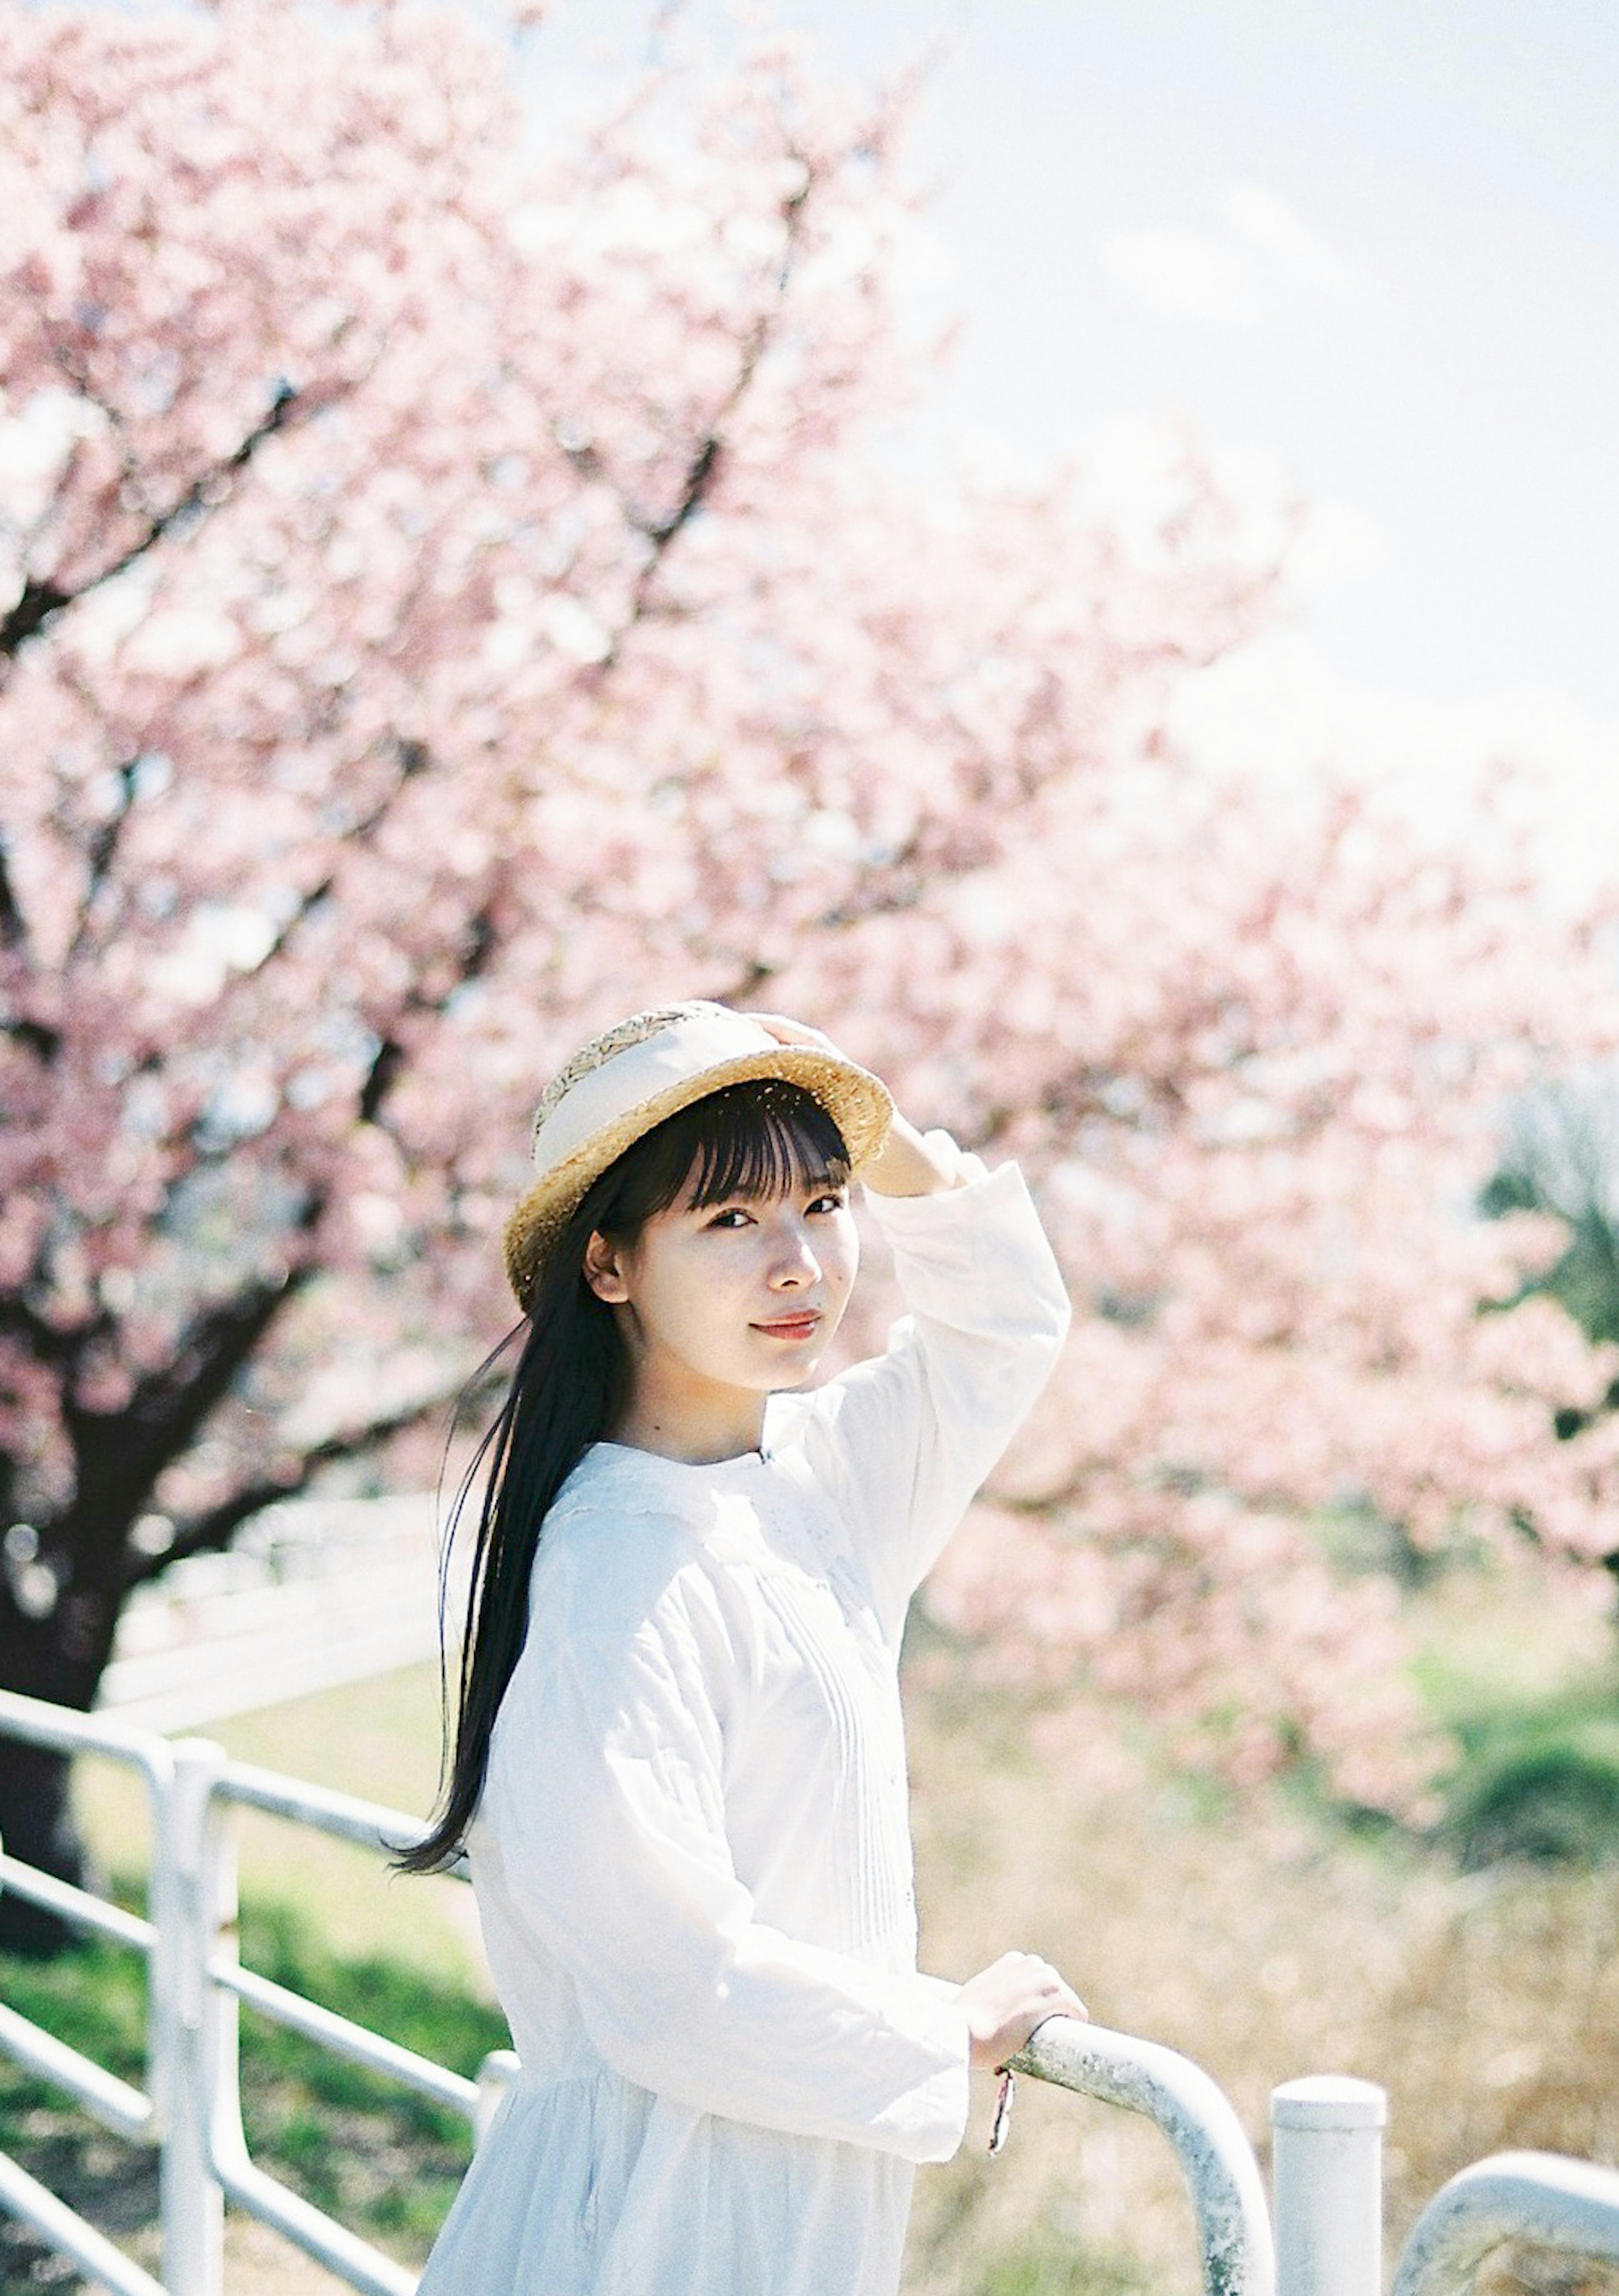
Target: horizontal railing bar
[66, 1732]
[343, 2252]
[125, 2110]
[356, 2042]
[370, 1824]
[1569, 2206]
[69, 2234]
[74, 1904]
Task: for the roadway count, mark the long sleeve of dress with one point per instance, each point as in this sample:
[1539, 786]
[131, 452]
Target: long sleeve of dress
[902, 1442]
[610, 1833]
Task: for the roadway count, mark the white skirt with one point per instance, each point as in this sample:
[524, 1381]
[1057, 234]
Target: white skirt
[591, 2186]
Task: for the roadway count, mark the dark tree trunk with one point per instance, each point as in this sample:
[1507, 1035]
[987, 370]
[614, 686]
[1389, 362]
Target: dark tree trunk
[62, 1589]
[37, 1826]
[60, 1599]
[56, 1658]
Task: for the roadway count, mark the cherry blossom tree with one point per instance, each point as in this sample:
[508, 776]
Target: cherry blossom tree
[455, 592]
[1263, 1170]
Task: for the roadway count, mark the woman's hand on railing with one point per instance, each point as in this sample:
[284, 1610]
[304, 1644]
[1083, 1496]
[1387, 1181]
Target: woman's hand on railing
[1005, 2002]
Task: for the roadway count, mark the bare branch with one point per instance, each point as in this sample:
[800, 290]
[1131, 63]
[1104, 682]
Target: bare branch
[38, 1038]
[14, 925]
[708, 452]
[391, 1056]
[380, 1079]
[118, 1455]
[705, 462]
[46, 1343]
[100, 853]
[42, 601]
[214, 1530]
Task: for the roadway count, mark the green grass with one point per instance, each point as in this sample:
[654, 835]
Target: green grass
[1049, 2267]
[93, 1998]
[1538, 1783]
[378, 1739]
[398, 1954]
[383, 2160]
[1530, 1700]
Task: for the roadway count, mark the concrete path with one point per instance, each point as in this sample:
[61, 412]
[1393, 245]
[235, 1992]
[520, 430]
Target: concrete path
[318, 1592]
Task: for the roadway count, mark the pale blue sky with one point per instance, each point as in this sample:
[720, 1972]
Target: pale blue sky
[1371, 249]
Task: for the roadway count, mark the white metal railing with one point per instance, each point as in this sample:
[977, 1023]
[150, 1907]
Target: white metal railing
[1221, 2175]
[190, 2108]
[1571, 2206]
[1326, 2131]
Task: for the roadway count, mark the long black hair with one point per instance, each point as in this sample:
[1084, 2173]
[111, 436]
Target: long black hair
[572, 1379]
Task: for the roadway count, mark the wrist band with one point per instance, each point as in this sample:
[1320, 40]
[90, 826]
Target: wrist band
[1000, 2127]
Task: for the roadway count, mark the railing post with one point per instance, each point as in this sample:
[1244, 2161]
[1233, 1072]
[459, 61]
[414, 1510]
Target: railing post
[193, 2031]
[496, 2076]
[1327, 2177]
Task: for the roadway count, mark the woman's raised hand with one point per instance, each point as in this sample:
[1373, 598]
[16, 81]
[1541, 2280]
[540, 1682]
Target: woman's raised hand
[1005, 2002]
[908, 1164]
[794, 1032]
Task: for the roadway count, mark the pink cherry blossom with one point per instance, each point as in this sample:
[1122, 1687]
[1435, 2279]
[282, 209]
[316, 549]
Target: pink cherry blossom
[457, 591]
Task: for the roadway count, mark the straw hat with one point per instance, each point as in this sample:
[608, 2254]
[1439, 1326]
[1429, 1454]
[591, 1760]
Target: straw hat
[650, 1067]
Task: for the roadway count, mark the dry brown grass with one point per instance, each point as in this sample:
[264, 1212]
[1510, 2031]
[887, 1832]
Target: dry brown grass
[1263, 1947]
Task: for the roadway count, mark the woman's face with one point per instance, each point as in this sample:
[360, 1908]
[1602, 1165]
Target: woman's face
[732, 1298]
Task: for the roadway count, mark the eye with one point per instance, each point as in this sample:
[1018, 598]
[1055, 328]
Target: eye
[832, 1199]
[731, 1215]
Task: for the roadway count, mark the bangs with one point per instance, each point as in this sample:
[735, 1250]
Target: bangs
[756, 1139]
[761, 1140]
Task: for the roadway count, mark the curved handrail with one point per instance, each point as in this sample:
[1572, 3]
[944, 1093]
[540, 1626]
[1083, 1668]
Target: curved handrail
[1221, 2175]
[1571, 2206]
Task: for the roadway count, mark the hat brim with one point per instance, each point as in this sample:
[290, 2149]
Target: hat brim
[858, 1103]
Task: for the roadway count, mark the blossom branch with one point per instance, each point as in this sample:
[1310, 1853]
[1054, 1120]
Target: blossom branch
[40, 601]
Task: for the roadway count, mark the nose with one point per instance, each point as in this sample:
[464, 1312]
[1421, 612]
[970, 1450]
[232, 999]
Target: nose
[794, 1266]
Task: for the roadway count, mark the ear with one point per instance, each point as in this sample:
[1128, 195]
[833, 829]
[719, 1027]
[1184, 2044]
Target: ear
[603, 1270]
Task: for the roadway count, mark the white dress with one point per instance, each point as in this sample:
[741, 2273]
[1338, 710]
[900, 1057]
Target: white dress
[692, 1856]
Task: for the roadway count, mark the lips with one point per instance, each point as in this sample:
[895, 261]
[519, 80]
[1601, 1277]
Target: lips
[792, 1327]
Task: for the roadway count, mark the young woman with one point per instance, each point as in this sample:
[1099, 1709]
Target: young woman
[679, 1769]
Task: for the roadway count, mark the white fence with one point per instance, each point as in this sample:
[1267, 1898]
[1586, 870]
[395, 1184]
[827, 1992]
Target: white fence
[1327, 2131]
[190, 2108]
[314, 1593]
